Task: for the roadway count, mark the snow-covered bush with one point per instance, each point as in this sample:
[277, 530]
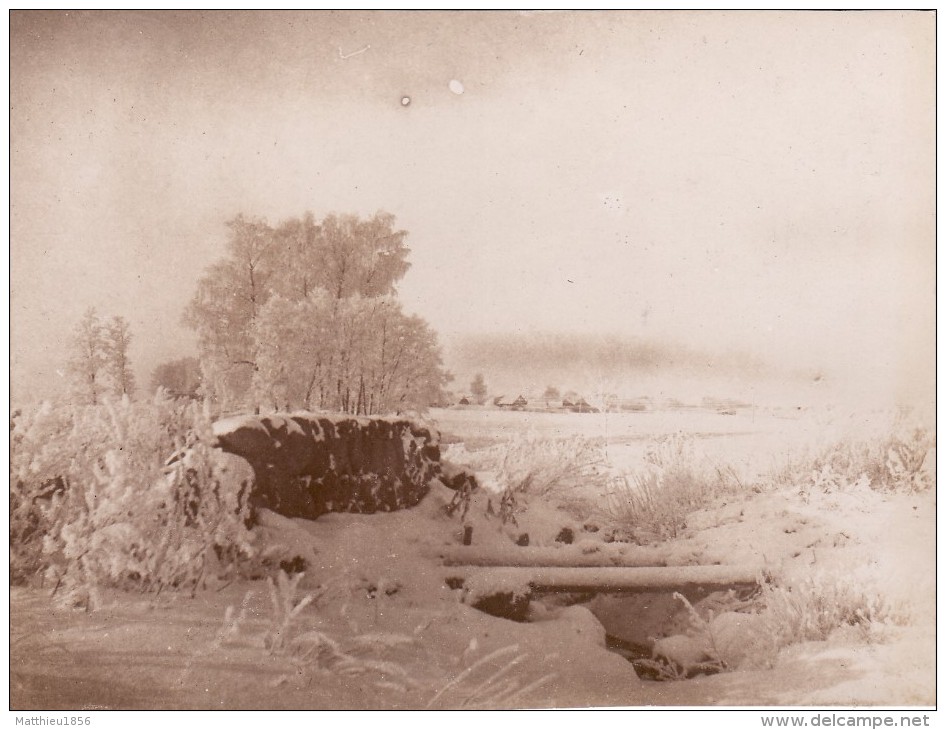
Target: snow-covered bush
[531, 466]
[94, 504]
[488, 683]
[37, 463]
[541, 466]
[654, 501]
[897, 462]
[814, 608]
[282, 596]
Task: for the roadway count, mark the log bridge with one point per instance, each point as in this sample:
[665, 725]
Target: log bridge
[612, 579]
[503, 583]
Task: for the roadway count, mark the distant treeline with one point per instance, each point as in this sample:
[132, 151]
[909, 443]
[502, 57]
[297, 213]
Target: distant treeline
[594, 355]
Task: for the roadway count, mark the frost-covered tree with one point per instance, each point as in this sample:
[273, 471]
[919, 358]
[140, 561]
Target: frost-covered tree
[84, 368]
[298, 243]
[116, 339]
[478, 389]
[98, 362]
[359, 355]
[361, 257]
[402, 368]
[180, 378]
[343, 255]
[314, 294]
[229, 296]
[295, 346]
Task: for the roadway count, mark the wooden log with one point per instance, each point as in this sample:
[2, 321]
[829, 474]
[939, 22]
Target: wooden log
[685, 579]
[539, 557]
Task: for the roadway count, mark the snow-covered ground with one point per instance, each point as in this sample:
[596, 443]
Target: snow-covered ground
[383, 629]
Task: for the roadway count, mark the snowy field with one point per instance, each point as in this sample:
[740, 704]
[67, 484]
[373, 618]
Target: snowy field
[755, 439]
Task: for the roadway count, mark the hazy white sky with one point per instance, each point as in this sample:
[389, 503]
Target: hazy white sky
[761, 181]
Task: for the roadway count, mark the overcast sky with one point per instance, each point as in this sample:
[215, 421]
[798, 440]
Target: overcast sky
[752, 181]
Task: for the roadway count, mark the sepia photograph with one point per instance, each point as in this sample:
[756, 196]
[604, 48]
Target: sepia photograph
[472, 360]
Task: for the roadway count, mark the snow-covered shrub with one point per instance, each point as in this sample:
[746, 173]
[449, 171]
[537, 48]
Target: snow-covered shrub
[296, 651]
[317, 652]
[531, 466]
[897, 462]
[813, 608]
[282, 596]
[118, 517]
[314, 651]
[37, 463]
[654, 501]
[488, 683]
[541, 466]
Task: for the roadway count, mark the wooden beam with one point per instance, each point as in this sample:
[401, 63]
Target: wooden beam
[541, 557]
[611, 579]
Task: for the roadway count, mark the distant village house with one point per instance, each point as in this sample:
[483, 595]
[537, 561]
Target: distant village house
[517, 405]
